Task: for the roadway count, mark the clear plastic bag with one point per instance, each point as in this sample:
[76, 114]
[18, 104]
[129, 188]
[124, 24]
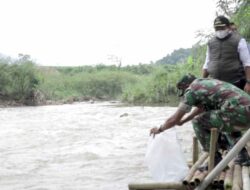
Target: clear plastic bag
[165, 159]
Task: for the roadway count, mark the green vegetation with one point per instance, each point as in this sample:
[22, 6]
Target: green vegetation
[25, 82]
[22, 80]
[82, 83]
[18, 79]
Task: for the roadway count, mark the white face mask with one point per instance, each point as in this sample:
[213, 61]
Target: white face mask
[222, 33]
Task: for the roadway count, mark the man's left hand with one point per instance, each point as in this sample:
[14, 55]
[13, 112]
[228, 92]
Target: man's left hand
[155, 131]
[180, 123]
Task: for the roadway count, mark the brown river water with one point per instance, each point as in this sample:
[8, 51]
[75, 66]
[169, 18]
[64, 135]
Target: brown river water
[80, 146]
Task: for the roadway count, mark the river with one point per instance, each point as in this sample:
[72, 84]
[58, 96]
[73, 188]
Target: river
[80, 146]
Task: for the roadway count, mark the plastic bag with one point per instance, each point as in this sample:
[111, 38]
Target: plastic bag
[165, 159]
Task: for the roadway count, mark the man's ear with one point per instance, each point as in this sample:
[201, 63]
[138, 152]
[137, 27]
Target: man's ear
[186, 86]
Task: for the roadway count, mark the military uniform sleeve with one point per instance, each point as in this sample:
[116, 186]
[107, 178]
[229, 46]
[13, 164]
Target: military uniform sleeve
[188, 101]
[184, 107]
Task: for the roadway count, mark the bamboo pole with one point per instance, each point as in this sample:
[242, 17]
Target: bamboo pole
[228, 182]
[245, 178]
[216, 180]
[222, 177]
[194, 168]
[198, 178]
[192, 181]
[231, 154]
[190, 164]
[237, 178]
[213, 141]
[152, 186]
[195, 149]
[248, 147]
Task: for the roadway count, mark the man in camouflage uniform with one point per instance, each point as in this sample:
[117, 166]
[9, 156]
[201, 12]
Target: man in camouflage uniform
[218, 105]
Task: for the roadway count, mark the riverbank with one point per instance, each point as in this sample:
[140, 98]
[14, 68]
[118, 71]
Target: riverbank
[13, 103]
[39, 99]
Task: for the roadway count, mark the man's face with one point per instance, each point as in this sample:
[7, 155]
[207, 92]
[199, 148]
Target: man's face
[221, 31]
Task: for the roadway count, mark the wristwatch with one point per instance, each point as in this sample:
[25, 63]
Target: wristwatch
[160, 129]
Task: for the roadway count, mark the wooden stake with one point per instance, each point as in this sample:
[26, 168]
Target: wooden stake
[195, 149]
[228, 182]
[213, 141]
[237, 178]
[152, 186]
[245, 178]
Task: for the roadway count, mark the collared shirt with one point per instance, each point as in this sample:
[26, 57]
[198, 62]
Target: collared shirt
[244, 54]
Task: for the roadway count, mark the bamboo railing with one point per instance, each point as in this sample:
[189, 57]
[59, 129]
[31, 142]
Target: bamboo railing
[234, 177]
[222, 165]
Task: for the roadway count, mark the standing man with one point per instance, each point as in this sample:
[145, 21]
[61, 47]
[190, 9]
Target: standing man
[218, 105]
[227, 56]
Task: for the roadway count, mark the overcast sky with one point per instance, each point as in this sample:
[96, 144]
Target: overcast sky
[89, 32]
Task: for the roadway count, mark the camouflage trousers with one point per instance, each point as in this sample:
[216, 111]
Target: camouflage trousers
[226, 121]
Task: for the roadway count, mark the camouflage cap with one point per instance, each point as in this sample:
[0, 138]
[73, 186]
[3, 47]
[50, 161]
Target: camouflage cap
[184, 82]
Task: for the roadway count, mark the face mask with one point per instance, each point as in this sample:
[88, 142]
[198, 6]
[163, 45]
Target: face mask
[221, 33]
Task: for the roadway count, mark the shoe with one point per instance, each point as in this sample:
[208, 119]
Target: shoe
[217, 159]
[243, 158]
[236, 134]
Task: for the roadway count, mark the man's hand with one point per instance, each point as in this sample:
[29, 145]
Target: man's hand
[155, 130]
[171, 122]
[247, 88]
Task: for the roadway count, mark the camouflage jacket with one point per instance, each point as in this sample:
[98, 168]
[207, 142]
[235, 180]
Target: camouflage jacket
[212, 94]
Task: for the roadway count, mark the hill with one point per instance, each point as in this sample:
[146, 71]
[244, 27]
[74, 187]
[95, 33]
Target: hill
[177, 56]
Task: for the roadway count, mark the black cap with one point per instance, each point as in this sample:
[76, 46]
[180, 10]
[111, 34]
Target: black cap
[221, 21]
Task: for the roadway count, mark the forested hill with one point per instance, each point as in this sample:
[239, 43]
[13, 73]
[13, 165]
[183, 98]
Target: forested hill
[177, 56]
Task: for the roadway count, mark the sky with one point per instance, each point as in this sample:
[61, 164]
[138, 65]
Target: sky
[91, 32]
